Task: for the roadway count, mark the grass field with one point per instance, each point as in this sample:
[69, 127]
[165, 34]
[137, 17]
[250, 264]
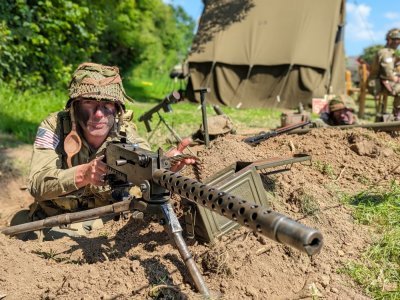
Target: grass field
[378, 270]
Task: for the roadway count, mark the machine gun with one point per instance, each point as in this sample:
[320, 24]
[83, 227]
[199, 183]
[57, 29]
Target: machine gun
[255, 140]
[129, 165]
[165, 104]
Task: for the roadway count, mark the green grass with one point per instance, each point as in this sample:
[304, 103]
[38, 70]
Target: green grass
[324, 168]
[378, 270]
[21, 112]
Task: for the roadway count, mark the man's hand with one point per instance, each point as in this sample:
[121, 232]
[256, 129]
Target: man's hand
[178, 151]
[91, 173]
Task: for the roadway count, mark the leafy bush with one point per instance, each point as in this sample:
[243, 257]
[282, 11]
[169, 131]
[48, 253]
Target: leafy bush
[42, 42]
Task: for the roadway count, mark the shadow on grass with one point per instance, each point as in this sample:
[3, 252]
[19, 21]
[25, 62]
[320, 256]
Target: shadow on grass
[367, 199]
[16, 131]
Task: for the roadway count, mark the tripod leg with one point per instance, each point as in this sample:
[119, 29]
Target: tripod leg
[154, 130]
[175, 230]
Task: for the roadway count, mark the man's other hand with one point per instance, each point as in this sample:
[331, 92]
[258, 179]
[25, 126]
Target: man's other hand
[178, 151]
[93, 172]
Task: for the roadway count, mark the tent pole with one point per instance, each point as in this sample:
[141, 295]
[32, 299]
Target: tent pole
[241, 87]
[278, 97]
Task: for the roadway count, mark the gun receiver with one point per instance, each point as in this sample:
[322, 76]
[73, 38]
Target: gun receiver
[165, 104]
[255, 140]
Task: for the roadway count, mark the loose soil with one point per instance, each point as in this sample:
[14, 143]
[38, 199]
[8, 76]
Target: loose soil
[131, 260]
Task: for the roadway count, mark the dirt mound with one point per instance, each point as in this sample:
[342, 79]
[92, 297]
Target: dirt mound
[128, 260]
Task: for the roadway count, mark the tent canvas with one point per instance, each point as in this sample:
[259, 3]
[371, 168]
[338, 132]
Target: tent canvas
[268, 53]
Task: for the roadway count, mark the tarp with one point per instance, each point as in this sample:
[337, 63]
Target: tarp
[268, 53]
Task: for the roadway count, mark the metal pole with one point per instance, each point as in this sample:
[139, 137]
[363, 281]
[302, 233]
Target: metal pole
[173, 132]
[202, 92]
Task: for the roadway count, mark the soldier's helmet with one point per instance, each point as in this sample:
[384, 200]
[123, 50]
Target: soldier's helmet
[98, 82]
[336, 104]
[393, 33]
[218, 125]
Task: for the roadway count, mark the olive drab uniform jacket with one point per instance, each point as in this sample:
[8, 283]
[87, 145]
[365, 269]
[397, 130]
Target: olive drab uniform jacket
[52, 183]
[383, 68]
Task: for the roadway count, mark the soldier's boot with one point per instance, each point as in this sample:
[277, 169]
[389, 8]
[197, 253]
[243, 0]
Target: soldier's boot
[74, 230]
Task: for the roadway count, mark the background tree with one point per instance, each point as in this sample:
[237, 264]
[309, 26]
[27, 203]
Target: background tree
[370, 52]
[42, 42]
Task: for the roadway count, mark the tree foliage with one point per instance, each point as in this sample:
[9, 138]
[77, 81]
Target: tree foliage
[41, 42]
[370, 52]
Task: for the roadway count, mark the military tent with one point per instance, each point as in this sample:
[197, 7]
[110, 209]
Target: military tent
[268, 53]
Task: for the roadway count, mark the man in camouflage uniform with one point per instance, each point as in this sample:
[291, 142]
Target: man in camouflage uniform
[384, 72]
[67, 171]
[337, 113]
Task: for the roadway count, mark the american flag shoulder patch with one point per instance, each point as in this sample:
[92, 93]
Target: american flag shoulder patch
[46, 139]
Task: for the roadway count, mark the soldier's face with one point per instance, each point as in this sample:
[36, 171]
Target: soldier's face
[96, 118]
[394, 43]
[343, 117]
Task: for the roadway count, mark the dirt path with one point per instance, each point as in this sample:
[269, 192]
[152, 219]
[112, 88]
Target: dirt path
[128, 260]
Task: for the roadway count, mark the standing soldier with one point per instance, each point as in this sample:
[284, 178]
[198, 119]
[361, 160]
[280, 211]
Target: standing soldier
[384, 72]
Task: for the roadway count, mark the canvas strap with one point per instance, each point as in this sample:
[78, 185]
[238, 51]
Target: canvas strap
[72, 142]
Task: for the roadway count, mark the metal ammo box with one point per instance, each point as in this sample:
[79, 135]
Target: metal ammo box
[240, 179]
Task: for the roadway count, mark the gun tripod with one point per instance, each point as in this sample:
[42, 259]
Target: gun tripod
[170, 129]
[171, 224]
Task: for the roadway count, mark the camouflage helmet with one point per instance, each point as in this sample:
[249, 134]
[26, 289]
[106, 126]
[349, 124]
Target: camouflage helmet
[99, 82]
[393, 34]
[336, 104]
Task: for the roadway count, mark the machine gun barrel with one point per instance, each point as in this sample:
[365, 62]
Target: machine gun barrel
[165, 104]
[260, 219]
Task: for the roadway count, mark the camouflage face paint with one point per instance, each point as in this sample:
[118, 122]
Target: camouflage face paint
[95, 119]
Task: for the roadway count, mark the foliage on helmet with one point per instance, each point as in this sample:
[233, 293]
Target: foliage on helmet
[336, 104]
[393, 34]
[99, 82]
